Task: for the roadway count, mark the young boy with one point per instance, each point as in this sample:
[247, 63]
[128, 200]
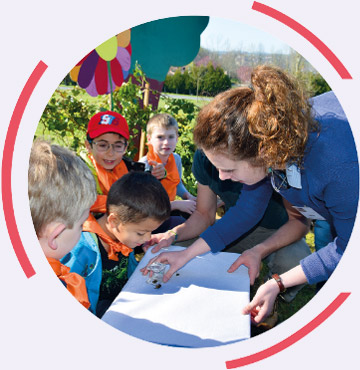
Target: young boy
[136, 205]
[61, 191]
[106, 143]
[162, 136]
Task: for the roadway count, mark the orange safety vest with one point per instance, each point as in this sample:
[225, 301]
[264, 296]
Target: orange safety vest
[104, 179]
[172, 179]
[75, 283]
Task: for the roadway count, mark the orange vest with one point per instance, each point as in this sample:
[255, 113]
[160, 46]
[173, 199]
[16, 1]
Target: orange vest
[115, 247]
[172, 179]
[105, 179]
[75, 283]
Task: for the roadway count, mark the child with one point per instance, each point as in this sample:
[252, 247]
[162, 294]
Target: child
[61, 191]
[136, 205]
[162, 136]
[106, 143]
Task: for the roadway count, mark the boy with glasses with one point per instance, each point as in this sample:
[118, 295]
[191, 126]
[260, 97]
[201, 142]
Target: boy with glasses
[106, 142]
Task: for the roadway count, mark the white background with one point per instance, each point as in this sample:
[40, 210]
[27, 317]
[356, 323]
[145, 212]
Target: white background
[42, 326]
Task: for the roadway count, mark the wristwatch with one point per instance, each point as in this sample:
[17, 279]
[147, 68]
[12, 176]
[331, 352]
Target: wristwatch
[277, 278]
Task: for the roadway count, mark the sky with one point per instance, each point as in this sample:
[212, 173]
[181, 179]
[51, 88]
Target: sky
[226, 34]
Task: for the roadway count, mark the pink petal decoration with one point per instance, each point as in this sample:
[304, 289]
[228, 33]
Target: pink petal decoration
[91, 89]
[124, 58]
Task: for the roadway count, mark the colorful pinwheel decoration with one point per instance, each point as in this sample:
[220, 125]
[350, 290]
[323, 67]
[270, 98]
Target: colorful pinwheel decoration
[105, 68]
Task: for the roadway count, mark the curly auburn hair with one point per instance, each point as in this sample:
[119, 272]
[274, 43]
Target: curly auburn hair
[267, 124]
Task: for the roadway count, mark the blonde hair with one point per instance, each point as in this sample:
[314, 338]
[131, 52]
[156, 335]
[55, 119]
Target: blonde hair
[163, 120]
[60, 186]
[267, 123]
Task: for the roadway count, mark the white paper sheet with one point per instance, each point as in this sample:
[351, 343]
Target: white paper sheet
[200, 306]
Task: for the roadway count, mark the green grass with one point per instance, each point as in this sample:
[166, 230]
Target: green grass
[199, 101]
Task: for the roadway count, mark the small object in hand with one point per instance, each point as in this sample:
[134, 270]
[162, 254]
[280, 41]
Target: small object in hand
[157, 286]
[158, 270]
[157, 267]
[177, 274]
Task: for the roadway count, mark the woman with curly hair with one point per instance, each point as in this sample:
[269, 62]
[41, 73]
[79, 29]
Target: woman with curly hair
[270, 136]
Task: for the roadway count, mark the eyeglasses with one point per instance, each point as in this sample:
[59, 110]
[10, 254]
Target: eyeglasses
[279, 180]
[104, 146]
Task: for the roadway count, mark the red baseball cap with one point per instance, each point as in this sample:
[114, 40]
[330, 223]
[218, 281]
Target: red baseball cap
[104, 122]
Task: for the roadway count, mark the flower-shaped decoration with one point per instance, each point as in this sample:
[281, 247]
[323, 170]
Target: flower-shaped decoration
[105, 68]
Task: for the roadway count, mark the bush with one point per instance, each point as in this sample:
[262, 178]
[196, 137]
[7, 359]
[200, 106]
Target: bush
[68, 112]
[199, 80]
[65, 118]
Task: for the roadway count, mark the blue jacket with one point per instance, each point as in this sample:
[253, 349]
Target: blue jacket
[85, 259]
[330, 186]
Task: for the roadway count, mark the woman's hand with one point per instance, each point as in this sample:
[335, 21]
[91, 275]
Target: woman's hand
[252, 260]
[263, 302]
[176, 260]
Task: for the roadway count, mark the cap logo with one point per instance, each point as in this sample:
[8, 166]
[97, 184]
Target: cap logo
[107, 119]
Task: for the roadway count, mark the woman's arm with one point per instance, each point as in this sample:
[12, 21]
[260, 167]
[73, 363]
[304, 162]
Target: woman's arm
[199, 221]
[293, 230]
[263, 302]
[176, 260]
[240, 218]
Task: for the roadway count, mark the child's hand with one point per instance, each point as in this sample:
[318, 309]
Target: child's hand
[187, 206]
[188, 196]
[219, 202]
[163, 240]
[158, 169]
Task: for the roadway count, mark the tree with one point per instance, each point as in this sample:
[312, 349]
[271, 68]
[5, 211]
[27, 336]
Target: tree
[189, 83]
[178, 81]
[197, 74]
[215, 81]
[318, 84]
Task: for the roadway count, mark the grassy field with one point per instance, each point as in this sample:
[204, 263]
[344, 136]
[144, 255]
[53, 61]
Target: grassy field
[199, 101]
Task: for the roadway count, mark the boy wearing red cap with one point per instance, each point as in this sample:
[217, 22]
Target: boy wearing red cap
[106, 143]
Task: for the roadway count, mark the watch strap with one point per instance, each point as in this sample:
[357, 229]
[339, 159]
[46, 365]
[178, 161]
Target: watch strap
[279, 282]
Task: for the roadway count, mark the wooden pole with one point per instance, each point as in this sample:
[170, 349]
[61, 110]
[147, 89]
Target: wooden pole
[143, 133]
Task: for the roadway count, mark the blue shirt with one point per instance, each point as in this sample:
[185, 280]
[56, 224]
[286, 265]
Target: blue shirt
[329, 185]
